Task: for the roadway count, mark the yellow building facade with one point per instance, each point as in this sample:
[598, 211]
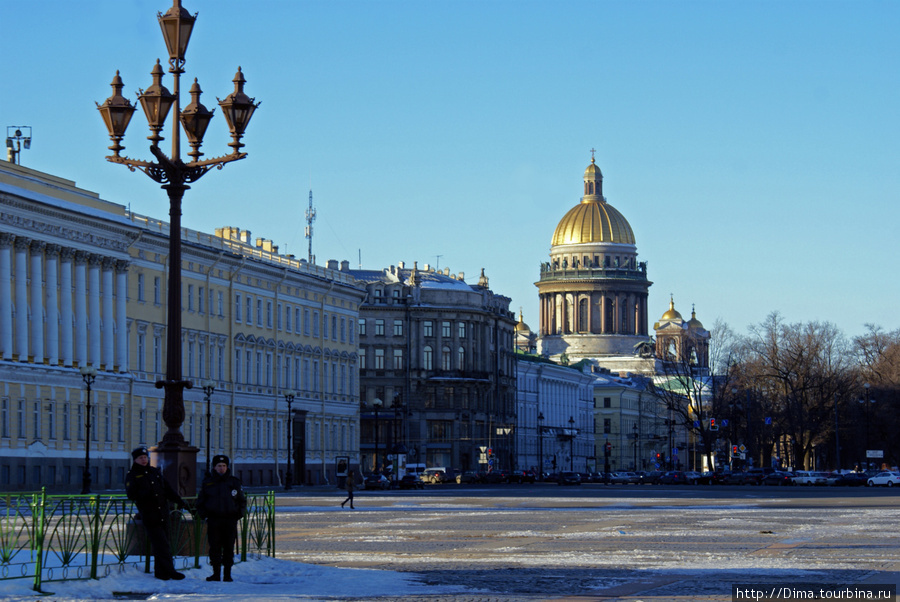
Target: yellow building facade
[83, 283]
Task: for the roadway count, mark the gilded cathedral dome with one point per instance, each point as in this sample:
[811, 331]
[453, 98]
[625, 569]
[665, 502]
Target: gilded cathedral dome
[593, 220]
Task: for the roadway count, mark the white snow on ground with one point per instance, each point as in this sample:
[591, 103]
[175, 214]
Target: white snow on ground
[267, 578]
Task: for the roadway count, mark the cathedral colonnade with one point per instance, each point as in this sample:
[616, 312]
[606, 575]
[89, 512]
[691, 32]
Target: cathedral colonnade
[61, 306]
[593, 313]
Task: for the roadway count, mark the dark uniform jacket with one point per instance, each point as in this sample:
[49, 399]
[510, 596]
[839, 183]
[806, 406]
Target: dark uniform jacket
[221, 496]
[151, 493]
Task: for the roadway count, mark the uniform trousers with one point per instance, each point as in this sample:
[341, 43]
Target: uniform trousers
[222, 534]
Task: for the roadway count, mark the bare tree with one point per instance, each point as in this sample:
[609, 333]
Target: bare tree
[800, 370]
[696, 397]
[878, 357]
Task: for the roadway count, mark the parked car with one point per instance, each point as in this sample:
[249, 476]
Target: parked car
[693, 477]
[851, 479]
[652, 477]
[434, 475]
[493, 476]
[569, 478]
[778, 478]
[410, 481]
[805, 477]
[888, 479]
[620, 478]
[673, 477]
[376, 481]
[470, 476]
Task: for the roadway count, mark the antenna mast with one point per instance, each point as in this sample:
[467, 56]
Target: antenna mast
[310, 218]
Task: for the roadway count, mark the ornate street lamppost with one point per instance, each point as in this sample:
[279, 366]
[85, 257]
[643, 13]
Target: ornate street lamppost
[540, 419]
[208, 387]
[176, 457]
[571, 443]
[88, 375]
[866, 403]
[289, 476]
[634, 427]
[377, 405]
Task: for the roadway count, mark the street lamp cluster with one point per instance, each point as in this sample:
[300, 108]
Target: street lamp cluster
[174, 175]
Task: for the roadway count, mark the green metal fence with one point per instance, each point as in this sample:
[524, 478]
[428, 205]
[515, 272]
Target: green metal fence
[58, 537]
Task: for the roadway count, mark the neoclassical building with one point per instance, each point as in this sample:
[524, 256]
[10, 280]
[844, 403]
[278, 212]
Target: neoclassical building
[593, 291]
[83, 283]
[437, 369]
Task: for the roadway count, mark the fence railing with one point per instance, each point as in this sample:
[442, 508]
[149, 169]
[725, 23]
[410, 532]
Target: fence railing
[58, 537]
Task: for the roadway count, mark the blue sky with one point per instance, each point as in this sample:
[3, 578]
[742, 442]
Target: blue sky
[753, 146]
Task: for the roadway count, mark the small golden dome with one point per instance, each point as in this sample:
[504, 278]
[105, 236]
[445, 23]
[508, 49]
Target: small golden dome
[521, 326]
[671, 314]
[694, 322]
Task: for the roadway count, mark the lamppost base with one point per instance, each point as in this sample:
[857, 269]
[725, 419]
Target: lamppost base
[178, 465]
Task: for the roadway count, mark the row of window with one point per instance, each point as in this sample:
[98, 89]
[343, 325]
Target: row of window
[199, 302]
[378, 359]
[255, 368]
[427, 328]
[292, 319]
[113, 421]
[255, 433]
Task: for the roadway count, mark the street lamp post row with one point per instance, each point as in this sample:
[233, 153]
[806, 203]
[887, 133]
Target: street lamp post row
[88, 375]
[174, 175]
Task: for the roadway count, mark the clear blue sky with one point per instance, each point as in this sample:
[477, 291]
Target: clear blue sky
[753, 146]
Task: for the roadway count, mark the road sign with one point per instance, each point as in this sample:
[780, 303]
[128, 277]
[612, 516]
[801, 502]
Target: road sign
[874, 453]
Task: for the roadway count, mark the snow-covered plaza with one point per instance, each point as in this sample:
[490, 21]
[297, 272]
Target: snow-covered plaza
[545, 543]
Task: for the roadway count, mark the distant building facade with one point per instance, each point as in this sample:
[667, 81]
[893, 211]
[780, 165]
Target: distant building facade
[83, 283]
[437, 369]
[555, 421]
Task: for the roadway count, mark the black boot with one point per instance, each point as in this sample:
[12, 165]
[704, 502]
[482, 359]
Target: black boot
[217, 573]
[227, 575]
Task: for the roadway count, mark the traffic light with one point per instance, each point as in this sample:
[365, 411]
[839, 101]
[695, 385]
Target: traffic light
[734, 450]
[713, 426]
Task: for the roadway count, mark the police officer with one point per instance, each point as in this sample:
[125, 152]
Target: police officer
[151, 493]
[222, 503]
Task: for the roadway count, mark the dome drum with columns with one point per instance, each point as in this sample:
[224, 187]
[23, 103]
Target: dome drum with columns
[593, 291]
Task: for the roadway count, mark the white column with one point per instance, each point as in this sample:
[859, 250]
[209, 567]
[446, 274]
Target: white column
[52, 254]
[81, 314]
[65, 305]
[94, 344]
[108, 329]
[6, 323]
[37, 300]
[22, 298]
[121, 316]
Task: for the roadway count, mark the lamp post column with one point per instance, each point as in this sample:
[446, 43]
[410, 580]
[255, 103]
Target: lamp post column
[89, 375]
[571, 443]
[289, 476]
[377, 405]
[208, 387]
[540, 419]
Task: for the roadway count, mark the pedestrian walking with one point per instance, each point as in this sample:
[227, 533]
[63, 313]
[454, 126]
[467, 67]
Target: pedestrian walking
[350, 486]
[151, 493]
[222, 503]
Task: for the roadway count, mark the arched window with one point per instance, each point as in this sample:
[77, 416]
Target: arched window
[427, 358]
[461, 358]
[445, 359]
[583, 319]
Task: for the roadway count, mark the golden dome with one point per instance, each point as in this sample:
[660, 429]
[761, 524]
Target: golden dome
[521, 326]
[671, 314]
[593, 221]
[694, 322]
